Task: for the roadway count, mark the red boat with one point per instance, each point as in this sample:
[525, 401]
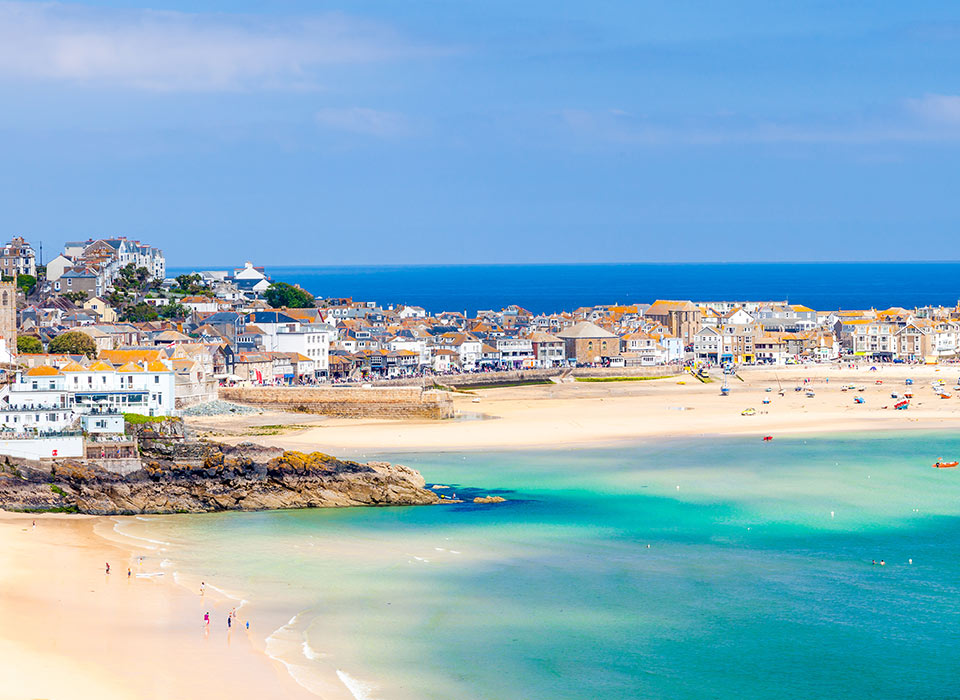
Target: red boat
[768, 438]
[944, 465]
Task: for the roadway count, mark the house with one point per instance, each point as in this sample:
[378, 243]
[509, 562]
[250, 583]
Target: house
[201, 304]
[548, 350]
[515, 353]
[79, 280]
[681, 318]
[102, 308]
[57, 266]
[17, 258]
[588, 343]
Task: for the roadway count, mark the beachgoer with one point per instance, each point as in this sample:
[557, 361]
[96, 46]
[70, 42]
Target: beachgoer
[34, 524]
[206, 618]
[874, 562]
[108, 567]
[203, 587]
[248, 624]
[883, 563]
[229, 621]
[129, 573]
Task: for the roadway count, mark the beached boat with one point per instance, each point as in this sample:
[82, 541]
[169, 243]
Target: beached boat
[748, 412]
[944, 465]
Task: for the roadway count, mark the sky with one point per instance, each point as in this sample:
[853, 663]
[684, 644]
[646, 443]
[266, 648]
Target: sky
[297, 132]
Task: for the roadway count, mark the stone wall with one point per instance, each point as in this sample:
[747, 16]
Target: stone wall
[528, 375]
[347, 402]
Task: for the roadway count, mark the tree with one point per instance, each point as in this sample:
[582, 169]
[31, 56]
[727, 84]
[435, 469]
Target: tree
[29, 344]
[73, 343]
[136, 313]
[77, 297]
[174, 309]
[283, 294]
[26, 283]
[191, 285]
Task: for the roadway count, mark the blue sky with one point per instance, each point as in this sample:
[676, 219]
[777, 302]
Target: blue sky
[419, 131]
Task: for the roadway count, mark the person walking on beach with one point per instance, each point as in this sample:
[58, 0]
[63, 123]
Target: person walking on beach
[129, 573]
[229, 621]
[108, 567]
[203, 587]
[206, 619]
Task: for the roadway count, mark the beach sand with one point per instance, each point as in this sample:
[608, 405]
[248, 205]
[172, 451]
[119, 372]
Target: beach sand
[68, 630]
[582, 413]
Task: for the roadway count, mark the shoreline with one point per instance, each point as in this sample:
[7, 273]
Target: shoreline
[54, 592]
[585, 414]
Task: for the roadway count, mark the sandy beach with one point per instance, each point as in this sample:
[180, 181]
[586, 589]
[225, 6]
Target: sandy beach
[68, 630]
[583, 413]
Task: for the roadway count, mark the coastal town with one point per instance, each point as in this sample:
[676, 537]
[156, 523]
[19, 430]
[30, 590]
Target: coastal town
[101, 332]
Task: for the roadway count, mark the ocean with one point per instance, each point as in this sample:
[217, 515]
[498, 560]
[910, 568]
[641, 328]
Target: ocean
[726, 568]
[550, 288]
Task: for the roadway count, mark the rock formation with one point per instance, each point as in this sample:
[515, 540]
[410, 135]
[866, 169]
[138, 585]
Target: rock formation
[184, 476]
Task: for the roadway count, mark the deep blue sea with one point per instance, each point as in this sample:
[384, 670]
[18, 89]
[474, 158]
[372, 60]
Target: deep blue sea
[549, 288]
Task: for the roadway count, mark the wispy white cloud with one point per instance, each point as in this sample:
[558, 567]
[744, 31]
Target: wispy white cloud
[181, 51]
[930, 119]
[938, 108]
[361, 120]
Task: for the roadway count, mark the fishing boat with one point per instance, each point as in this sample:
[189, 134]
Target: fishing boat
[944, 465]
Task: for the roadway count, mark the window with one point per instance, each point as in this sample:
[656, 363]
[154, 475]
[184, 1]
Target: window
[156, 379]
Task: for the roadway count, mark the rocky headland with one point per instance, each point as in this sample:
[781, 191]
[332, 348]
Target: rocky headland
[189, 476]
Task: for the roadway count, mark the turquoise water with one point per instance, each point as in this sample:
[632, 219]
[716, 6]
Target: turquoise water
[757, 581]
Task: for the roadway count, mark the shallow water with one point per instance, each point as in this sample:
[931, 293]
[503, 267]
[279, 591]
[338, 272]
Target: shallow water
[722, 568]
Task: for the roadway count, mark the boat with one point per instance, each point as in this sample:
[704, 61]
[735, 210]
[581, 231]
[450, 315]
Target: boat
[944, 395]
[944, 465]
[748, 412]
[909, 382]
[901, 405]
[858, 399]
[810, 394]
[767, 438]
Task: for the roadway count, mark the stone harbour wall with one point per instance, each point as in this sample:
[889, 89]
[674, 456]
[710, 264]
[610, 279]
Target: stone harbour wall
[347, 402]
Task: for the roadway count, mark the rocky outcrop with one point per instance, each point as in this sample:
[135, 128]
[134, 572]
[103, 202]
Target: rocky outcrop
[489, 499]
[182, 476]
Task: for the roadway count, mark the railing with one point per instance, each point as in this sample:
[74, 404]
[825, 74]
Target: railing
[6, 434]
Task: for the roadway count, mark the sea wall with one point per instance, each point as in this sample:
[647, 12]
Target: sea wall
[347, 402]
[480, 379]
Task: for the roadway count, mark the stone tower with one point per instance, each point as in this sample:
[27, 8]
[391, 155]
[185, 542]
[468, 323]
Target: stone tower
[8, 315]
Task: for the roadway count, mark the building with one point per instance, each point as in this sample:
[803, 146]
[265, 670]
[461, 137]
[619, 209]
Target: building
[18, 258]
[588, 343]
[8, 318]
[681, 318]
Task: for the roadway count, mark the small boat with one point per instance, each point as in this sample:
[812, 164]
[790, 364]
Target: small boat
[944, 465]
[748, 412]
[908, 395]
[943, 395]
[902, 405]
[858, 399]
[810, 394]
[767, 438]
